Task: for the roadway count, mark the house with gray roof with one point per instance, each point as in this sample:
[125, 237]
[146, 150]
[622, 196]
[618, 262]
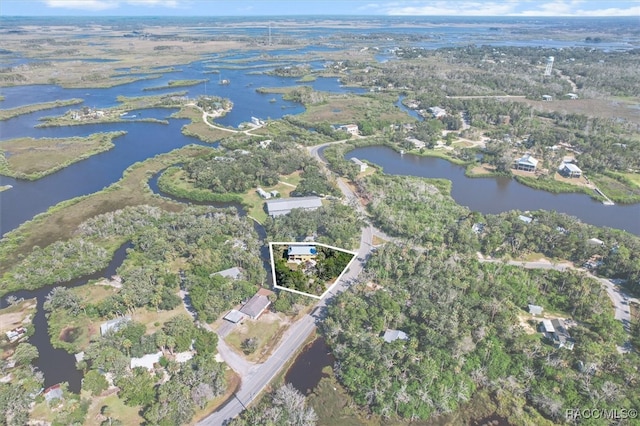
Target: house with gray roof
[234, 273]
[255, 306]
[52, 393]
[393, 335]
[526, 163]
[535, 310]
[284, 206]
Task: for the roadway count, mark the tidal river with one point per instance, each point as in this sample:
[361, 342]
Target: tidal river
[496, 195]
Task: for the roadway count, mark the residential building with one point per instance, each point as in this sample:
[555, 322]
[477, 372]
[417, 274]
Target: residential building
[547, 98]
[561, 337]
[570, 170]
[15, 334]
[393, 335]
[234, 273]
[113, 325]
[52, 393]
[264, 194]
[146, 361]
[595, 242]
[283, 206]
[363, 166]
[274, 194]
[255, 306]
[350, 128]
[571, 96]
[301, 253]
[535, 310]
[526, 163]
[234, 316]
[437, 112]
[525, 219]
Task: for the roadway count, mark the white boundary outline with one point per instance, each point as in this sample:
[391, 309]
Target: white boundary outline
[297, 243]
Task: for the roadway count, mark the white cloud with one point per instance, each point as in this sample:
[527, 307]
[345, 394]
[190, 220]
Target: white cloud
[511, 8]
[82, 4]
[98, 5]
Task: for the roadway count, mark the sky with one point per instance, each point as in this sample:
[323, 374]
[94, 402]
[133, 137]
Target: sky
[627, 8]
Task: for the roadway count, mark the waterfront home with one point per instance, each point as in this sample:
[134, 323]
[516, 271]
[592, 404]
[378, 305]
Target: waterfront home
[525, 219]
[393, 335]
[595, 242]
[284, 206]
[570, 170]
[52, 393]
[352, 129]
[526, 163]
[16, 334]
[113, 325]
[301, 253]
[363, 166]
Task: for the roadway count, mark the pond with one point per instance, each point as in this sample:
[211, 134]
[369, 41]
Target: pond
[306, 371]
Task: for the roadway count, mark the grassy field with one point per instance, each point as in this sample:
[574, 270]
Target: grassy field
[127, 415]
[60, 221]
[255, 205]
[198, 128]
[28, 158]
[617, 190]
[347, 108]
[6, 114]
[266, 330]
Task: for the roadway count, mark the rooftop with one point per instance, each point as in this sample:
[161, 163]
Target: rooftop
[254, 307]
[302, 251]
[285, 205]
[392, 335]
[229, 273]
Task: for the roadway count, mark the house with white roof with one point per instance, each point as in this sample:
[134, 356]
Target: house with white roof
[393, 335]
[526, 163]
[570, 170]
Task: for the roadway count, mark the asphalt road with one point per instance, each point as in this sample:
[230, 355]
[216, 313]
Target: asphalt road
[257, 376]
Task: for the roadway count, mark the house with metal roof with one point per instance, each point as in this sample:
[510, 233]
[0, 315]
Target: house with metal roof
[234, 273]
[284, 206]
[146, 361]
[255, 306]
[570, 170]
[535, 310]
[526, 163]
[113, 325]
[234, 316]
[393, 335]
[52, 393]
[304, 253]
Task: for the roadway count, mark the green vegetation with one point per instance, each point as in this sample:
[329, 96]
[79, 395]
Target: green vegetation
[28, 158]
[88, 115]
[313, 277]
[548, 183]
[61, 221]
[173, 181]
[176, 83]
[333, 224]
[6, 114]
[618, 187]
[283, 406]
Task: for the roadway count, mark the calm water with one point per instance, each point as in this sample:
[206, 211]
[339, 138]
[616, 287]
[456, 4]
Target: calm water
[57, 364]
[496, 195]
[306, 371]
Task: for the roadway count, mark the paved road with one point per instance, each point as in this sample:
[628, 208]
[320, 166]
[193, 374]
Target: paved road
[255, 377]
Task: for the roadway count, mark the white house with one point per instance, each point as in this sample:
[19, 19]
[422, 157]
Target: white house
[526, 163]
[437, 112]
[393, 335]
[350, 128]
[264, 194]
[363, 166]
